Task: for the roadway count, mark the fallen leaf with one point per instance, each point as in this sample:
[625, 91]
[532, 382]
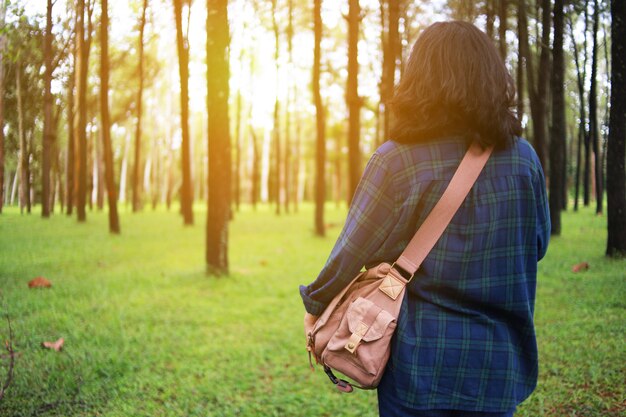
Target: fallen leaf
[583, 266]
[263, 262]
[39, 282]
[58, 345]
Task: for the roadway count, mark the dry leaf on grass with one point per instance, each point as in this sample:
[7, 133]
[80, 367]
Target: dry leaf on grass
[583, 266]
[58, 345]
[39, 282]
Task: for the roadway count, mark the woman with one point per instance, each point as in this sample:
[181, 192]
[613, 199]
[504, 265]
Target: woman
[465, 342]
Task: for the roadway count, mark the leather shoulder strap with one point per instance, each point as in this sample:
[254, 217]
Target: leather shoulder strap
[431, 230]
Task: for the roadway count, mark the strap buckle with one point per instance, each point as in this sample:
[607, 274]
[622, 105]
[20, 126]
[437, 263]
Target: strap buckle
[403, 273]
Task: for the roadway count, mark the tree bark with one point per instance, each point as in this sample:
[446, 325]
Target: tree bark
[276, 128]
[593, 109]
[2, 43]
[616, 150]
[238, 148]
[582, 129]
[114, 223]
[48, 133]
[137, 166]
[392, 49]
[288, 136]
[84, 43]
[353, 100]
[256, 176]
[537, 88]
[320, 157]
[70, 171]
[503, 26]
[24, 190]
[183, 71]
[557, 136]
[219, 172]
[521, 30]
[99, 170]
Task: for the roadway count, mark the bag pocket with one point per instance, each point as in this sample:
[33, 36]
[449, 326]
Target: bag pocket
[363, 337]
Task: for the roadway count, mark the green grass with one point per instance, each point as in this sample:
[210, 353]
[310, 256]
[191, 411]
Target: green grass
[147, 333]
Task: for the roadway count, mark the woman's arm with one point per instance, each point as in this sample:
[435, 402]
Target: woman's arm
[371, 218]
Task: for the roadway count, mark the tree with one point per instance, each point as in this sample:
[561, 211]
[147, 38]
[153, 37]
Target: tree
[137, 165]
[593, 110]
[583, 135]
[616, 151]
[84, 28]
[48, 133]
[502, 18]
[183, 71]
[2, 41]
[114, 223]
[276, 126]
[24, 152]
[353, 100]
[392, 49]
[71, 138]
[320, 142]
[288, 144]
[219, 172]
[557, 136]
[537, 78]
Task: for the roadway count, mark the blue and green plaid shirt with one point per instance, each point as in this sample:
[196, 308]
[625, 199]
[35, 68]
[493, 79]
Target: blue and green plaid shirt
[465, 338]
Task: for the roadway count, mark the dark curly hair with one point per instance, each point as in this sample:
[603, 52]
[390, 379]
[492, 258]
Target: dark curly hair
[454, 83]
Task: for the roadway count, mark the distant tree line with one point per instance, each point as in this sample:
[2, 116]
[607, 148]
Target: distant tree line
[83, 119]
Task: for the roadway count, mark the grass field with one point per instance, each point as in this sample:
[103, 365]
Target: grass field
[148, 334]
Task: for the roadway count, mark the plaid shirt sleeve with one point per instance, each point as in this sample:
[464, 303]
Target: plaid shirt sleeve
[543, 213]
[369, 222]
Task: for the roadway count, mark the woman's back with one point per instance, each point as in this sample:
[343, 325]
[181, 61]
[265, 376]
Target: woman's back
[466, 326]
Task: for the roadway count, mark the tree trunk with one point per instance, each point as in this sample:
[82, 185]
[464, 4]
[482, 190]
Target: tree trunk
[15, 183]
[256, 176]
[582, 129]
[183, 71]
[218, 74]
[288, 137]
[557, 136]
[99, 171]
[238, 148]
[2, 42]
[48, 134]
[537, 89]
[616, 151]
[92, 178]
[23, 163]
[82, 60]
[593, 109]
[353, 100]
[28, 185]
[124, 170]
[320, 157]
[137, 166]
[392, 49]
[276, 127]
[521, 29]
[71, 138]
[114, 223]
[502, 28]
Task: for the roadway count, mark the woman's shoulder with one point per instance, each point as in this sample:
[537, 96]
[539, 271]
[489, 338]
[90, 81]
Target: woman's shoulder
[520, 152]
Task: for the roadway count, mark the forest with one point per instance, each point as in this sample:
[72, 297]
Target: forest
[150, 148]
[155, 102]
